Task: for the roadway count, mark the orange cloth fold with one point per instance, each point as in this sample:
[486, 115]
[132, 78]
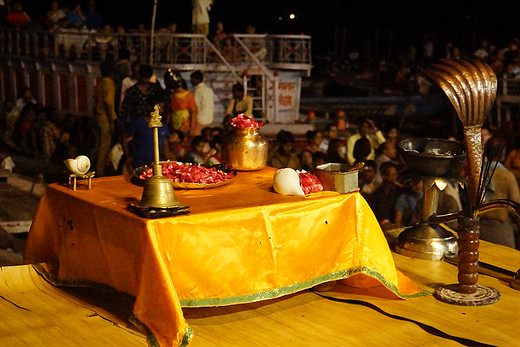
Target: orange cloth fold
[242, 242]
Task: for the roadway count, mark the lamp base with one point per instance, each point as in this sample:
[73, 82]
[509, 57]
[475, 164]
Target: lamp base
[425, 241]
[483, 296]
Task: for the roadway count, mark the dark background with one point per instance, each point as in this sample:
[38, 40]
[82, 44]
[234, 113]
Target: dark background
[335, 25]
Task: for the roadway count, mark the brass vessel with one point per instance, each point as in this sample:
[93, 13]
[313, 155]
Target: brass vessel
[245, 149]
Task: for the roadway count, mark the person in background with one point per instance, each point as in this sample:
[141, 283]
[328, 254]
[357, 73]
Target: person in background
[408, 205]
[182, 109]
[330, 132]
[92, 17]
[138, 144]
[201, 152]
[367, 130]
[129, 81]
[104, 114]
[486, 134]
[283, 155]
[55, 16]
[50, 133]
[319, 158]
[386, 152]
[383, 199]
[207, 133]
[200, 16]
[175, 144]
[367, 174]
[25, 96]
[255, 44]
[204, 99]
[219, 36]
[76, 18]
[391, 135]
[24, 130]
[217, 131]
[314, 139]
[122, 69]
[239, 103]
[336, 152]
[362, 150]
[65, 148]
[512, 162]
[16, 17]
[306, 161]
[496, 225]
[139, 99]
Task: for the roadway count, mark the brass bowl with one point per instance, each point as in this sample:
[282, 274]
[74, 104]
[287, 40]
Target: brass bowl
[432, 157]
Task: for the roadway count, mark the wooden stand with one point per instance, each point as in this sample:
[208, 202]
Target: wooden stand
[74, 177]
[467, 292]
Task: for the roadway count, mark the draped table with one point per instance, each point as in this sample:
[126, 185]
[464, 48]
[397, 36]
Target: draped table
[241, 243]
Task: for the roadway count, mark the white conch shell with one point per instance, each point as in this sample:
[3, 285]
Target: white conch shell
[287, 182]
[79, 166]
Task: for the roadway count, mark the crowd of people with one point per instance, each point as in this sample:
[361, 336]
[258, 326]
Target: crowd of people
[358, 73]
[101, 40]
[117, 138]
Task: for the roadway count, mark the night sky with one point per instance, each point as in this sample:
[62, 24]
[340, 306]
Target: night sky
[334, 23]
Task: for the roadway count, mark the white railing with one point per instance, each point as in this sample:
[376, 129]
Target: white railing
[279, 51]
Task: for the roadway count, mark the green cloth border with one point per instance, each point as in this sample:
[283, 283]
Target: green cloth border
[152, 340]
[293, 288]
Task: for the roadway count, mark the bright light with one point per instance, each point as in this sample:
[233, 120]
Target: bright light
[279, 18]
[292, 16]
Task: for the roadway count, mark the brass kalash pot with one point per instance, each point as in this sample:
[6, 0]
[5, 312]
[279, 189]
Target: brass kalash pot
[244, 149]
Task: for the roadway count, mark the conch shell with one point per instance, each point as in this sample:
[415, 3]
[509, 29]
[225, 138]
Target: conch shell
[79, 166]
[287, 182]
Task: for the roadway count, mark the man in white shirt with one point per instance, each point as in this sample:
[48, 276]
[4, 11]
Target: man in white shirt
[204, 99]
[369, 130]
[200, 16]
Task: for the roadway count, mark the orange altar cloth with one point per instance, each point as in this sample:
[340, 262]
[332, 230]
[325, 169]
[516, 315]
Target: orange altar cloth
[242, 242]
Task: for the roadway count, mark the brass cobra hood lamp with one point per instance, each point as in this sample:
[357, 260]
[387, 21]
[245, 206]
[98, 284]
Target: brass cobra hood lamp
[471, 87]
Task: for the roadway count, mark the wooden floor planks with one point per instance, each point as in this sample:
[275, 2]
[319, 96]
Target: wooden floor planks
[34, 313]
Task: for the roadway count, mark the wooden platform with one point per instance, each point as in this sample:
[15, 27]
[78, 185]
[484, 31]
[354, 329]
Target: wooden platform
[34, 313]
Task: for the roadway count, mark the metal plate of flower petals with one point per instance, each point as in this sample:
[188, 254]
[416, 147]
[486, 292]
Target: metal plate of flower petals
[137, 172]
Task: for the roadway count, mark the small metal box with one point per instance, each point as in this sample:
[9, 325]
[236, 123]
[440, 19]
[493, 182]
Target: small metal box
[336, 177]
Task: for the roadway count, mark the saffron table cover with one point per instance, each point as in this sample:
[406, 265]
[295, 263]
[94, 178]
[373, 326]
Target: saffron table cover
[242, 242]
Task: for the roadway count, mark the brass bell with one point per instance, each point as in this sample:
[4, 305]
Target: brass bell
[158, 189]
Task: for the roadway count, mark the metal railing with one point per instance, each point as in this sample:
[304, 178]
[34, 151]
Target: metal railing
[280, 51]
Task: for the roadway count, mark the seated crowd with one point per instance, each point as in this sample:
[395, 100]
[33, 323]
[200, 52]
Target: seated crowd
[33, 130]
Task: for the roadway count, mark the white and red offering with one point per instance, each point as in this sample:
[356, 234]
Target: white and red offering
[310, 183]
[288, 181]
[187, 173]
[243, 121]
